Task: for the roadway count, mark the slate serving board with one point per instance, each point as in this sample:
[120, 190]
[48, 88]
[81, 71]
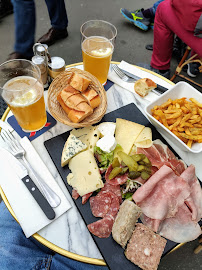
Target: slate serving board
[112, 253]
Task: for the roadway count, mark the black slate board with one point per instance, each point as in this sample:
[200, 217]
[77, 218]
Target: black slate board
[112, 253]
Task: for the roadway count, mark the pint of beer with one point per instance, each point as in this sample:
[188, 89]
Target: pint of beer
[97, 47]
[22, 89]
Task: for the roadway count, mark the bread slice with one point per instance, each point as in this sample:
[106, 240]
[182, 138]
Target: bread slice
[144, 86]
[69, 91]
[62, 103]
[79, 82]
[75, 100]
[83, 110]
[92, 97]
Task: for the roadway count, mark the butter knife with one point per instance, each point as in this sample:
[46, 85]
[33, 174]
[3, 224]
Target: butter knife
[160, 88]
[22, 172]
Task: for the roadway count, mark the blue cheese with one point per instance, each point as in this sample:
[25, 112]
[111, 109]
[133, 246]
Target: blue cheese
[72, 147]
[85, 176]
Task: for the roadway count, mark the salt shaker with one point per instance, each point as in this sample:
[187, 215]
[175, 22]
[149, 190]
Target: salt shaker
[40, 59]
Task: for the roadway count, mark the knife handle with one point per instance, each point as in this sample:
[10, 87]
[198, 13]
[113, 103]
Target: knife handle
[36, 193]
[161, 89]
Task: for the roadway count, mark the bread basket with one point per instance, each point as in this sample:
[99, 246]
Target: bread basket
[56, 110]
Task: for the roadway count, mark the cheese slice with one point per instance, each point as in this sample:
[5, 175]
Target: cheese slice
[86, 176]
[72, 147]
[126, 133]
[144, 140]
[88, 135]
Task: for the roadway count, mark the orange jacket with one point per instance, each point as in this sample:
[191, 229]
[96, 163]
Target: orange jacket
[188, 12]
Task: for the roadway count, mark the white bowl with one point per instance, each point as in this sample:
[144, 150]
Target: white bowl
[181, 89]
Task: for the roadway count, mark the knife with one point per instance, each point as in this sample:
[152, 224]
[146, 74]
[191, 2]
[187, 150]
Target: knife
[22, 172]
[160, 88]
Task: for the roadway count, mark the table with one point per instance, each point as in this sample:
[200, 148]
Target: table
[72, 227]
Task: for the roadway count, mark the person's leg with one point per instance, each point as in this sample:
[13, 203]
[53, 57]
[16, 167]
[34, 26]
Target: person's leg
[57, 13]
[166, 24]
[60, 262]
[25, 20]
[16, 251]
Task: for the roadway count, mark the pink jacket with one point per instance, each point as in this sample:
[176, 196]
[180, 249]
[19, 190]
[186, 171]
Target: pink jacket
[188, 12]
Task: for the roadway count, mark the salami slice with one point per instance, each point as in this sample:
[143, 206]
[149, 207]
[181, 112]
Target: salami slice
[118, 180]
[115, 189]
[115, 205]
[100, 204]
[86, 197]
[75, 194]
[102, 228]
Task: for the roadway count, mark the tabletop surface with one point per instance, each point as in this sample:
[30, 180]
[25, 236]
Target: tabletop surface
[72, 228]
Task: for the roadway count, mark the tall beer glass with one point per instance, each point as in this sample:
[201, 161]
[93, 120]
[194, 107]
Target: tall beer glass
[98, 38]
[22, 89]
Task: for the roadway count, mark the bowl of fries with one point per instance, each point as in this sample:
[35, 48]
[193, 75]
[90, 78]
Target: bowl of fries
[177, 114]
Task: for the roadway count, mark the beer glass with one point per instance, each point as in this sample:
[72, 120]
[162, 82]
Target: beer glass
[98, 38]
[22, 89]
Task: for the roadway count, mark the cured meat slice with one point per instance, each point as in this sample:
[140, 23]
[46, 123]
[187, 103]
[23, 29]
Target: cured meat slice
[86, 197]
[118, 180]
[114, 206]
[153, 224]
[194, 201]
[115, 189]
[162, 194]
[75, 194]
[100, 204]
[180, 228]
[159, 154]
[102, 228]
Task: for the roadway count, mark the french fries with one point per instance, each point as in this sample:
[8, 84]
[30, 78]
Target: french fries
[183, 117]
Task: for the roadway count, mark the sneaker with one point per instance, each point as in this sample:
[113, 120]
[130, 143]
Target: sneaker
[137, 18]
[147, 66]
[193, 69]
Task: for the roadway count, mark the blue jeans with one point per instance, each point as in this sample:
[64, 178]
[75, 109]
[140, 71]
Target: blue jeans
[25, 22]
[19, 253]
[154, 8]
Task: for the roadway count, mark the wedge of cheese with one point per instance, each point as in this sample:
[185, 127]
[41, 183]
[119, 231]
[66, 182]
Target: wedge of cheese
[86, 177]
[126, 133]
[144, 140]
[72, 147]
[88, 135]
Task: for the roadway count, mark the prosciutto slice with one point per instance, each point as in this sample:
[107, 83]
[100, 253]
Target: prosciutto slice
[159, 154]
[162, 194]
[194, 201]
[180, 228]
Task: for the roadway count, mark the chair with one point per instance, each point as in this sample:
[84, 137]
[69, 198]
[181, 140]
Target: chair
[184, 61]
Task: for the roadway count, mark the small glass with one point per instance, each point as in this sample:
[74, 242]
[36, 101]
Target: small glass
[22, 89]
[98, 38]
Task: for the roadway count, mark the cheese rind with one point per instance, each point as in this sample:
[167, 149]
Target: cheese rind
[86, 176]
[72, 147]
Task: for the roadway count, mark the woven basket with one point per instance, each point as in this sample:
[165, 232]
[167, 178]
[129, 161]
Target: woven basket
[59, 83]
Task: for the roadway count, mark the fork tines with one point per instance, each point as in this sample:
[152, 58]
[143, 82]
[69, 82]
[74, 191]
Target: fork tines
[8, 137]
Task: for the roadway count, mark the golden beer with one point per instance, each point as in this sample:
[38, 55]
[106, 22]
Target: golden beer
[26, 102]
[97, 53]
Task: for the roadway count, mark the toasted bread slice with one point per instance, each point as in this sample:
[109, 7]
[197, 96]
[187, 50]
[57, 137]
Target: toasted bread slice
[144, 86]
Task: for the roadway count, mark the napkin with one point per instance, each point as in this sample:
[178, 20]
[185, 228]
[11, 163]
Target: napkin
[29, 214]
[112, 76]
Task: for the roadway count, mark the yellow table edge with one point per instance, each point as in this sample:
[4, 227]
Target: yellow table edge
[42, 240]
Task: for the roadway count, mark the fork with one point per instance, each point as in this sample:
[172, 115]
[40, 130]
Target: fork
[18, 151]
[127, 79]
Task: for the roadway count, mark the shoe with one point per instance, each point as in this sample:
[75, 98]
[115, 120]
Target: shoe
[193, 69]
[149, 47]
[6, 8]
[16, 55]
[53, 35]
[165, 74]
[137, 18]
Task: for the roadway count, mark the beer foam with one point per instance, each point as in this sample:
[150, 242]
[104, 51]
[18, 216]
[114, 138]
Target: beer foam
[101, 52]
[26, 98]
